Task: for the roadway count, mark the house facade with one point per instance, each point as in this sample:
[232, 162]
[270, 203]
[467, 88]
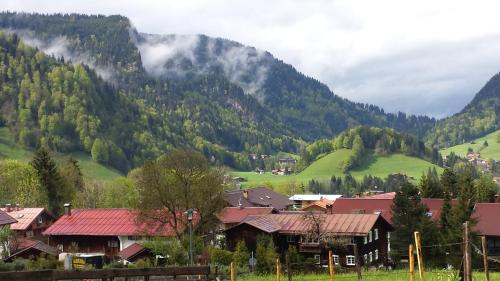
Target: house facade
[106, 231]
[31, 222]
[339, 233]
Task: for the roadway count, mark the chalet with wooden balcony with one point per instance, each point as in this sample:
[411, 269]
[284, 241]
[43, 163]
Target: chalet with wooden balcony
[31, 222]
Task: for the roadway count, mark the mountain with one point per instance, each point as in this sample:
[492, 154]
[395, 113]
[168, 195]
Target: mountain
[165, 91]
[477, 119]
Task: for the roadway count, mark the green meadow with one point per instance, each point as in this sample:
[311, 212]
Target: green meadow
[491, 151]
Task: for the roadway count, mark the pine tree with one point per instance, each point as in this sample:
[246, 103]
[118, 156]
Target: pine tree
[449, 182]
[430, 186]
[50, 179]
[241, 255]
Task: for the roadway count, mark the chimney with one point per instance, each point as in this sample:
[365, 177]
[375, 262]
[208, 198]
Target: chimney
[67, 209]
[329, 209]
[245, 193]
[8, 208]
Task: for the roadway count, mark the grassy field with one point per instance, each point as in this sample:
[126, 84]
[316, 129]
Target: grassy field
[394, 275]
[91, 170]
[491, 151]
[329, 165]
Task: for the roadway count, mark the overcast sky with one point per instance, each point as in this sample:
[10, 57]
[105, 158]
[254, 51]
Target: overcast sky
[424, 57]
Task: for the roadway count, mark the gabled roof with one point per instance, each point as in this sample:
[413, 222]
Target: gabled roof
[323, 203]
[296, 223]
[132, 251]
[236, 214]
[257, 197]
[6, 219]
[24, 245]
[486, 215]
[105, 222]
[314, 197]
[381, 206]
[24, 216]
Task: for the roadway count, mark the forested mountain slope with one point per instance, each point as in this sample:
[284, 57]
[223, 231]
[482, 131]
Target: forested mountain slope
[477, 119]
[159, 92]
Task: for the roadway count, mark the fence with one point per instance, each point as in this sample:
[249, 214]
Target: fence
[199, 272]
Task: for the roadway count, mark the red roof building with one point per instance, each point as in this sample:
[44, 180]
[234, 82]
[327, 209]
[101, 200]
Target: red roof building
[230, 216]
[486, 217]
[31, 222]
[105, 231]
[381, 206]
[135, 252]
[292, 229]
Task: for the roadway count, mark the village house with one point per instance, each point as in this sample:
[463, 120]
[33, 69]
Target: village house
[486, 216]
[291, 229]
[31, 222]
[231, 216]
[321, 206]
[287, 161]
[106, 231]
[301, 200]
[257, 197]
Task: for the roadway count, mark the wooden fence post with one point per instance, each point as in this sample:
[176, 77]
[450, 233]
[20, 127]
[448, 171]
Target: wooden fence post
[420, 260]
[467, 254]
[232, 271]
[485, 258]
[330, 264]
[288, 268]
[411, 262]
[357, 263]
[277, 269]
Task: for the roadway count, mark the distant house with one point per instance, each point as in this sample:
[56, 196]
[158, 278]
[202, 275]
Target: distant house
[386, 195]
[486, 216]
[31, 222]
[25, 248]
[135, 252]
[301, 200]
[257, 197]
[290, 229]
[287, 161]
[231, 216]
[382, 207]
[318, 206]
[106, 231]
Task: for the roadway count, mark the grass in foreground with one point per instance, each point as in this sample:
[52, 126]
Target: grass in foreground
[394, 275]
[491, 151]
[329, 165]
[90, 169]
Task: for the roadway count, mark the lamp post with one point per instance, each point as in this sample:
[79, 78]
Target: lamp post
[189, 214]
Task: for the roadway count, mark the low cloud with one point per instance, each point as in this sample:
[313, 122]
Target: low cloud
[176, 55]
[60, 47]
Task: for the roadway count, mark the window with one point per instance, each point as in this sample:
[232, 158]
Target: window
[40, 219]
[318, 259]
[60, 247]
[113, 244]
[134, 238]
[290, 239]
[376, 255]
[365, 258]
[29, 233]
[375, 232]
[366, 240]
[429, 214]
[370, 236]
[370, 257]
[350, 260]
[336, 259]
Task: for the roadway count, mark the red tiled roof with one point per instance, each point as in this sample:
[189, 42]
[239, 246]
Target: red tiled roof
[24, 216]
[235, 214]
[371, 206]
[486, 215]
[6, 219]
[104, 222]
[131, 251]
[387, 195]
[295, 223]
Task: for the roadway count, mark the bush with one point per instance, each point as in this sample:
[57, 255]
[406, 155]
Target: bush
[265, 254]
[241, 255]
[220, 257]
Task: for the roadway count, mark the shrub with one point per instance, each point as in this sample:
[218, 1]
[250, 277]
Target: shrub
[241, 255]
[220, 257]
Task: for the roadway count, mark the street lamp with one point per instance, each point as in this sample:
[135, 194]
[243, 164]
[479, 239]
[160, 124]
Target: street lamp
[189, 214]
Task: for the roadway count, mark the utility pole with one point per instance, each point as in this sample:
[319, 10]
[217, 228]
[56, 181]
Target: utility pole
[467, 254]
[189, 214]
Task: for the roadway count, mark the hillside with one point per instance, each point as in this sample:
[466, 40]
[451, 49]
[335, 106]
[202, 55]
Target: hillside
[215, 95]
[492, 151]
[330, 165]
[90, 169]
[478, 118]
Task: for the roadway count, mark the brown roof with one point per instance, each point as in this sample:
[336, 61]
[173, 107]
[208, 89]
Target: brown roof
[257, 197]
[319, 203]
[24, 245]
[382, 206]
[486, 215]
[295, 223]
[24, 216]
[132, 251]
[236, 214]
[6, 219]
